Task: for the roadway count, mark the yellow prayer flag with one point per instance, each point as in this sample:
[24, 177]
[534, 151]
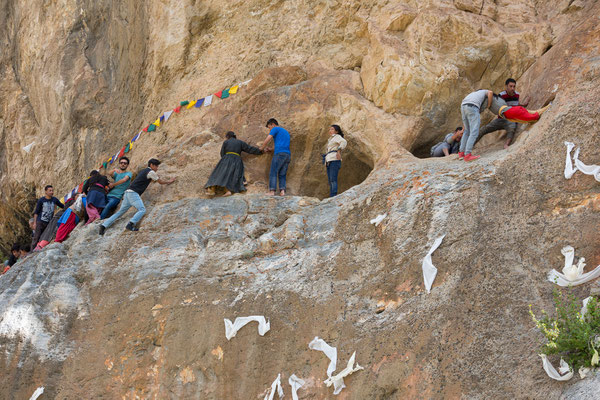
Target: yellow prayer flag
[157, 122]
[62, 199]
[233, 90]
[130, 146]
[191, 104]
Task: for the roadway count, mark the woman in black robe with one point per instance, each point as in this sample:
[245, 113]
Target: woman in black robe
[229, 172]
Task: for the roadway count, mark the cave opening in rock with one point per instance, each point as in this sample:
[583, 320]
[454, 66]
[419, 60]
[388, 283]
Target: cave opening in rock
[307, 176]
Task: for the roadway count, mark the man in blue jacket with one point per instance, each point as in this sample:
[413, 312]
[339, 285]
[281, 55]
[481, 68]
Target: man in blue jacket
[44, 211]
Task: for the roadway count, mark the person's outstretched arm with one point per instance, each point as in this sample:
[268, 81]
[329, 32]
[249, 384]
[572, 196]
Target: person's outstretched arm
[266, 142]
[490, 97]
[165, 182]
[250, 149]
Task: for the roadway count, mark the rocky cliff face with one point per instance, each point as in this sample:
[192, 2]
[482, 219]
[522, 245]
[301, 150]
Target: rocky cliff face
[141, 315]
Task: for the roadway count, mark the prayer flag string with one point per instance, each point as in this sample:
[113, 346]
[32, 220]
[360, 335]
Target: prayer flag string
[205, 101]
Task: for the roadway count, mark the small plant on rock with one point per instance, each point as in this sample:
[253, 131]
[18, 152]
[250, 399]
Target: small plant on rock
[569, 334]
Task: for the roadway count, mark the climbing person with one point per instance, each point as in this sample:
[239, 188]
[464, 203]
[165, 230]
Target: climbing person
[132, 198]
[471, 108]
[71, 217]
[229, 172]
[95, 189]
[122, 179]
[515, 113]
[24, 251]
[333, 157]
[50, 232]
[15, 253]
[43, 213]
[281, 156]
[511, 97]
[450, 145]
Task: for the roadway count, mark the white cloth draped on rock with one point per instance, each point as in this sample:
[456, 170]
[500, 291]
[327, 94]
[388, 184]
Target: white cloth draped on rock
[564, 373]
[572, 275]
[275, 386]
[330, 352]
[377, 220]
[296, 383]
[231, 329]
[429, 270]
[338, 380]
[38, 392]
[593, 170]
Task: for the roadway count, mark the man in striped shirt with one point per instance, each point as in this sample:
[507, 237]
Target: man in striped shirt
[512, 98]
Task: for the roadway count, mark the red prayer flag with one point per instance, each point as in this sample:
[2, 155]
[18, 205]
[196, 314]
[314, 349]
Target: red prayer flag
[146, 128]
[219, 93]
[177, 109]
[121, 153]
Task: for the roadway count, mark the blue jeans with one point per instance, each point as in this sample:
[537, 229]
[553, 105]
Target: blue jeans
[471, 120]
[333, 168]
[111, 205]
[279, 167]
[130, 199]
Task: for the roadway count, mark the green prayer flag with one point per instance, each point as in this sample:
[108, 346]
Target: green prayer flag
[151, 128]
[184, 103]
[127, 148]
[104, 164]
[225, 94]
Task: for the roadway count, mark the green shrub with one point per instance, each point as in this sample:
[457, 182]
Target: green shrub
[573, 337]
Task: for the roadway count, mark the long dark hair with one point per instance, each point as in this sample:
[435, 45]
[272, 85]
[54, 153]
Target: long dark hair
[338, 130]
[230, 134]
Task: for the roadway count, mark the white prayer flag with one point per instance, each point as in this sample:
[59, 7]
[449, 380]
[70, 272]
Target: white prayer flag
[275, 386]
[429, 270]
[208, 100]
[296, 383]
[330, 352]
[231, 329]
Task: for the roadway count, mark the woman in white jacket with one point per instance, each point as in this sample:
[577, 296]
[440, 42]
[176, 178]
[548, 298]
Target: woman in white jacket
[333, 157]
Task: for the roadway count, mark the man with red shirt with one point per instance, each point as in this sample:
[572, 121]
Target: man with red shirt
[511, 96]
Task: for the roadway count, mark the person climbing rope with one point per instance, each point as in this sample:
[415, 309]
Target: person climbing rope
[229, 172]
[333, 157]
[132, 197]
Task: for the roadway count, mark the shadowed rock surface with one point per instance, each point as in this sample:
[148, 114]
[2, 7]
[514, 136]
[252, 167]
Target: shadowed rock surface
[140, 315]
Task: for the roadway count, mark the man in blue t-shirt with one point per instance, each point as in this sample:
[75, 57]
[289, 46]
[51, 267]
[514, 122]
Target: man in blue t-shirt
[281, 156]
[122, 179]
[43, 213]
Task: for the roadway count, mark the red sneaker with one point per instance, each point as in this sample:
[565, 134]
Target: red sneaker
[471, 157]
[461, 155]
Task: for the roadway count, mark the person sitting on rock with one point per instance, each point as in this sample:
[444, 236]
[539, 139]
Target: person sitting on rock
[95, 189]
[132, 196]
[122, 179]
[281, 156]
[229, 172]
[333, 157]
[450, 145]
[471, 108]
[44, 211]
[511, 97]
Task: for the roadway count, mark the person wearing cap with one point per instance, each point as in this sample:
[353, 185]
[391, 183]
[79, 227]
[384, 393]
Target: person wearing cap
[132, 196]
